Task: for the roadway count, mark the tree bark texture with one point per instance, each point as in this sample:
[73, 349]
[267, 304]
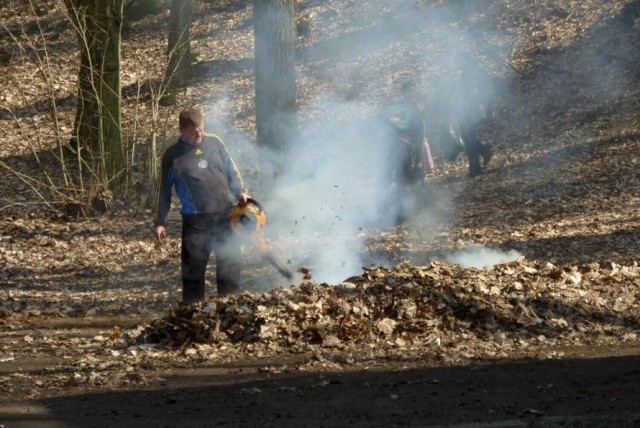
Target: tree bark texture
[275, 84]
[179, 44]
[98, 129]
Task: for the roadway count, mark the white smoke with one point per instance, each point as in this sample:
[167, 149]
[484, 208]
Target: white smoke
[341, 186]
[481, 257]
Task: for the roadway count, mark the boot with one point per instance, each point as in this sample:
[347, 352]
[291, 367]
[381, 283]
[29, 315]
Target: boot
[192, 291]
[487, 154]
[474, 166]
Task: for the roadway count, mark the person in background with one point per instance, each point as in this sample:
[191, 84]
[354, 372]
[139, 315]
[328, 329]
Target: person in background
[409, 155]
[470, 95]
[208, 183]
[407, 118]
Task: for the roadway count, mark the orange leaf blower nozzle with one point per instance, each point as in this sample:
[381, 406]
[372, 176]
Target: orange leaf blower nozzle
[248, 220]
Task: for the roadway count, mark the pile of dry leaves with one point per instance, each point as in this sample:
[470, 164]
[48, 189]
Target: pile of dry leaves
[439, 310]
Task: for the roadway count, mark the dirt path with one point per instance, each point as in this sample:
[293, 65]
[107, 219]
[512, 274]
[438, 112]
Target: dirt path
[602, 386]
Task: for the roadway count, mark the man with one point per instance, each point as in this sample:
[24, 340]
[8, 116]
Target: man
[470, 97]
[407, 120]
[207, 183]
[408, 151]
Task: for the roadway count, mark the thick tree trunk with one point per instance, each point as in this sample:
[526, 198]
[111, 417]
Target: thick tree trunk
[179, 48]
[84, 121]
[98, 132]
[110, 113]
[276, 111]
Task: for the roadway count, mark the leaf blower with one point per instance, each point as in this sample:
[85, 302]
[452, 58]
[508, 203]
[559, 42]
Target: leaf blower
[248, 220]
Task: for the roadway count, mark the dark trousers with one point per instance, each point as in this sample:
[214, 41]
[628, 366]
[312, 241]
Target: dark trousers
[408, 170]
[473, 148]
[202, 234]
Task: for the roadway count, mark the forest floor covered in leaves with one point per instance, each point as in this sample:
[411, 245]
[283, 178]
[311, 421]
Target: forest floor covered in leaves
[93, 334]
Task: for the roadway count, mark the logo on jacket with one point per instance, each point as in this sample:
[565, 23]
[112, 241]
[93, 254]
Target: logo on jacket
[203, 163]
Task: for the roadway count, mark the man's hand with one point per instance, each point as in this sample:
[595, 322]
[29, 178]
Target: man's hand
[161, 234]
[243, 197]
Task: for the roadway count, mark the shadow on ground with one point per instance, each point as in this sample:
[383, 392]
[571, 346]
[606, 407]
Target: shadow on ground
[597, 391]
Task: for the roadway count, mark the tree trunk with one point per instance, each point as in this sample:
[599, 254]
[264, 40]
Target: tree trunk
[110, 112]
[179, 48]
[98, 131]
[275, 85]
[84, 132]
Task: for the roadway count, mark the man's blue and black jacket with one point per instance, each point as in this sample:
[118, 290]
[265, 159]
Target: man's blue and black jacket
[205, 178]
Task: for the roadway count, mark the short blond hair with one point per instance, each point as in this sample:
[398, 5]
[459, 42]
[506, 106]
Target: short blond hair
[190, 116]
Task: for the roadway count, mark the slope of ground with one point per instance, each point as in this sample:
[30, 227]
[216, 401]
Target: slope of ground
[92, 334]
